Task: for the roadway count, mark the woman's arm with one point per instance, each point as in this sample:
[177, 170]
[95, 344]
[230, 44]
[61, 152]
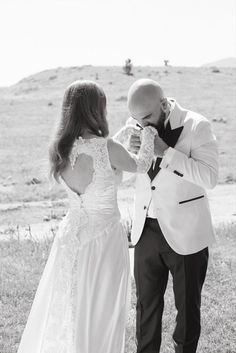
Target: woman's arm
[124, 133]
[121, 159]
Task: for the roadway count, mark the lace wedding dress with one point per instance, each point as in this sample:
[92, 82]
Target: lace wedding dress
[81, 303]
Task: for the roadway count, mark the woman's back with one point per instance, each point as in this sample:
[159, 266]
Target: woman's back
[89, 178]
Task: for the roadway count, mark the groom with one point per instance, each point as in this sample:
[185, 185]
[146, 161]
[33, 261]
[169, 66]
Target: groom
[172, 225]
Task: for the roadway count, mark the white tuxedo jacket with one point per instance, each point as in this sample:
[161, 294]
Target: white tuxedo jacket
[178, 190]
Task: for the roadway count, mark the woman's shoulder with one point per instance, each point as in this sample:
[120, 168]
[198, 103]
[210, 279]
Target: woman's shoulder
[113, 145]
[86, 142]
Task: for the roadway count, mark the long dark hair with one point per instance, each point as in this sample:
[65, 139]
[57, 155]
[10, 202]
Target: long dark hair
[83, 109]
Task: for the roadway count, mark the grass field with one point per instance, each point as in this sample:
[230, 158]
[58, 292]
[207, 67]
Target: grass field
[29, 109]
[22, 263]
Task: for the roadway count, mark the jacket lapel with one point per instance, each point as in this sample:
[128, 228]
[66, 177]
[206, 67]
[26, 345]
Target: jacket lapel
[152, 172]
[171, 136]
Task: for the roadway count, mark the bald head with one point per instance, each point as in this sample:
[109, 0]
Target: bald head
[144, 97]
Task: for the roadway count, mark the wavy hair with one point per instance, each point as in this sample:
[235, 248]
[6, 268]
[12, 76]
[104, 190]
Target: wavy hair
[83, 110]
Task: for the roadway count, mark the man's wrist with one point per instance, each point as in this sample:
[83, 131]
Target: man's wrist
[167, 158]
[165, 151]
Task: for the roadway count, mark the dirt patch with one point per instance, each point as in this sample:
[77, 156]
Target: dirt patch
[222, 203]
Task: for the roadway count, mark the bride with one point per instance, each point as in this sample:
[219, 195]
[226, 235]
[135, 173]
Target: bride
[82, 299]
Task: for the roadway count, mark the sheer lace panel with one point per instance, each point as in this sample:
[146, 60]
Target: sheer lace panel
[95, 147]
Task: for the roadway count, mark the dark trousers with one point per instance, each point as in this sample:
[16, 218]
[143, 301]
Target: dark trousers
[153, 259]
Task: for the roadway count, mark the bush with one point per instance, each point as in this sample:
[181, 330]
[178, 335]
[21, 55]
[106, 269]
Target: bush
[215, 70]
[128, 67]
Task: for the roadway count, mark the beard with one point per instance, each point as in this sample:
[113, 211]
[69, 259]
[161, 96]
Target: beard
[160, 123]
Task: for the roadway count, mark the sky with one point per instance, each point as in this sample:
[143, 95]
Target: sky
[40, 34]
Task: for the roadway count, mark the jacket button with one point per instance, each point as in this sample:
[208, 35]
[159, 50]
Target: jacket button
[144, 207]
[153, 188]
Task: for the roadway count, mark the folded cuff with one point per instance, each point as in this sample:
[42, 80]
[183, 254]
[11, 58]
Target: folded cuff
[167, 158]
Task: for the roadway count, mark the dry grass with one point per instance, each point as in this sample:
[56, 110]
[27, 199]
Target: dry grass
[22, 263]
[29, 110]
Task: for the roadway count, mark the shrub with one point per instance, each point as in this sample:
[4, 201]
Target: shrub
[128, 67]
[215, 70]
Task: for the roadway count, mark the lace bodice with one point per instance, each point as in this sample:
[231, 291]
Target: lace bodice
[97, 206]
[100, 192]
[94, 147]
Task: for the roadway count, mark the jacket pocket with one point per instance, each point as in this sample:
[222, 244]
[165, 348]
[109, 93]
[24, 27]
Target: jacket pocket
[193, 199]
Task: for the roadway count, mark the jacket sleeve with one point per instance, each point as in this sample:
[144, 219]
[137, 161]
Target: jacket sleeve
[202, 166]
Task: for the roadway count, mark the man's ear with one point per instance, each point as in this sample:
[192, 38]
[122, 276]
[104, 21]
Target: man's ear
[164, 104]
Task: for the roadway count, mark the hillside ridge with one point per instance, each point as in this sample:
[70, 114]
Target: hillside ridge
[226, 62]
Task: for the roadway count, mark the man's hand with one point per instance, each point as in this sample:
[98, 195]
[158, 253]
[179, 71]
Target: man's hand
[159, 146]
[134, 143]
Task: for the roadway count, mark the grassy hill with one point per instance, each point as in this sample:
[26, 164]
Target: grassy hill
[29, 109]
[227, 62]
